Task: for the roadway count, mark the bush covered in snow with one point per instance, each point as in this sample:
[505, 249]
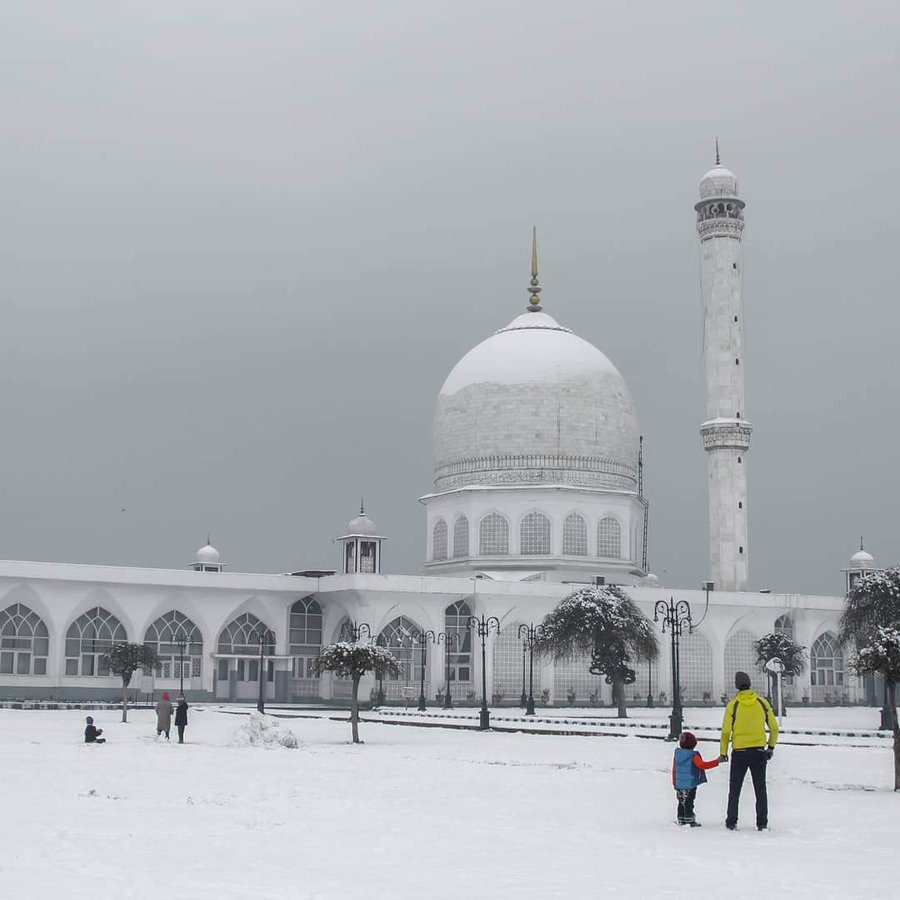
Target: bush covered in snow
[264, 731]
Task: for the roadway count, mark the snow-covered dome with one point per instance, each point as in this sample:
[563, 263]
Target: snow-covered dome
[862, 560]
[208, 554]
[361, 525]
[718, 182]
[535, 404]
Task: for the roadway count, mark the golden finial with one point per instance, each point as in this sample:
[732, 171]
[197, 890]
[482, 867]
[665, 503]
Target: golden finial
[534, 288]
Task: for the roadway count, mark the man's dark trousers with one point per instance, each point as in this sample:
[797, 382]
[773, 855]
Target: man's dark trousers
[755, 760]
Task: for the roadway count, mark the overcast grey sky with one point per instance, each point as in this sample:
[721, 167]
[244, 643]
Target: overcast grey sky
[244, 243]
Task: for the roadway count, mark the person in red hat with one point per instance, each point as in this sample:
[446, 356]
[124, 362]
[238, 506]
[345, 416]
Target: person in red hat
[164, 710]
[688, 773]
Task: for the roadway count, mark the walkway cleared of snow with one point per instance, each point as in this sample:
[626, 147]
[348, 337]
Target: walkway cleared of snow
[421, 812]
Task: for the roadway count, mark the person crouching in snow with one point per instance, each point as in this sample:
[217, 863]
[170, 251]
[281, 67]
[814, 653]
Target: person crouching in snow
[688, 773]
[92, 734]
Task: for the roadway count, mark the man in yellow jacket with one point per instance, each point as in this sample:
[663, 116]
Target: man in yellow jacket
[747, 716]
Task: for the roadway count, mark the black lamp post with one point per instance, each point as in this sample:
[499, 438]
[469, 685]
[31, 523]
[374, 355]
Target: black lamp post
[262, 634]
[181, 643]
[352, 632]
[379, 697]
[674, 617]
[523, 700]
[649, 684]
[447, 638]
[482, 627]
[528, 633]
[424, 638]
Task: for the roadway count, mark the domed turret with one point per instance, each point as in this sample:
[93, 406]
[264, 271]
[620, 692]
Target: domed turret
[861, 563]
[361, 545]
[207, 559]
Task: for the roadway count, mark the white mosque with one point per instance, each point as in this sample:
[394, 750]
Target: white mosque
[537, 488]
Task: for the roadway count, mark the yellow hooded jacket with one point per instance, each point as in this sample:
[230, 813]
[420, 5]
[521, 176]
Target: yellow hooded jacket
[746, 717]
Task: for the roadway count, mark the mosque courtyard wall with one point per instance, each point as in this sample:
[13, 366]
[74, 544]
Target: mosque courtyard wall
[54, 620]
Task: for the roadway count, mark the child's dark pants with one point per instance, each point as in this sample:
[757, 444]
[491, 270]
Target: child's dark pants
[686, 806]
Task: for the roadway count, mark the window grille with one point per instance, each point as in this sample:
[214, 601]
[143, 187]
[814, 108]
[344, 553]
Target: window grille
[241, 636]
[493, 538]
[534, 535]
[439, 541]
[89, 638]
[785, 625]
[740, 656]
[508, 664]
[456, 621]
[24, 642]
[609, 538]
[696, 667]
[826, 662]
[575, 535]
[461, 537]
[163, 637]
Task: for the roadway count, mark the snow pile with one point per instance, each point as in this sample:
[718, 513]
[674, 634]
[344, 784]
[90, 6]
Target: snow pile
[264, 731]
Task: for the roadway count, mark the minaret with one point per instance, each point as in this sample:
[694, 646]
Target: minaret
[726, 431]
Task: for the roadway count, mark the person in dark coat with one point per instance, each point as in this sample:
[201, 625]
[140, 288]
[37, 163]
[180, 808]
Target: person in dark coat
[181, 718]
[164, 710]
[92, 734]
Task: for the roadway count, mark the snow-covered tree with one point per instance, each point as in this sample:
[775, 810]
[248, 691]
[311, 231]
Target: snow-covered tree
[881, 656]
[353, 660]
[124, 660]
[782, 646]
[604, 622]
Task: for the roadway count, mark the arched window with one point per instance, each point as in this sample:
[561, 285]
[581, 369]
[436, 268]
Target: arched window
[24, 642]
[403, 638]
[460, 537]
[785, 625]
[89, 638]
[240, 637]
[164, 635]
[609, 538]
[459, 637]
[740, 656]
[439, 541]
[493, 537]
[696, 667]
[305, 643]
[534, 535]
[575, 535]
[826, 665]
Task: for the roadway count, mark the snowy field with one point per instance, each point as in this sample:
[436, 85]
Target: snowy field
[423, 812]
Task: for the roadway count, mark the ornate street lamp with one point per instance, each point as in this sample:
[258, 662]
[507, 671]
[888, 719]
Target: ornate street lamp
[181, 643]
[447, 638]
[523, 700]
[649, 684]
[674, 617]
[424, 638]
[262, 634]
[379, 697]
[483, 627]
[352, 632]
[528, 634]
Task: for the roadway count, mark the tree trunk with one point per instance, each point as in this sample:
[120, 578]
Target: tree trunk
[618, 692]
[892, 704]
[124, 700]
[354, 710]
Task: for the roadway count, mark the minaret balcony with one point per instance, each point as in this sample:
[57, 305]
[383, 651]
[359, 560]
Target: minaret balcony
[733, 434]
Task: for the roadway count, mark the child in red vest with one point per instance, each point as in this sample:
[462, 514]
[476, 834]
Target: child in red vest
[688, 773]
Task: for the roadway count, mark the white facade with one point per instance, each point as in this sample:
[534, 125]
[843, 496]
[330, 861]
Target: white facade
[726, 431]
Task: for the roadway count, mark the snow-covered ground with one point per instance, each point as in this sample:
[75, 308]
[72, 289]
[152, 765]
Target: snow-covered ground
[424, 812]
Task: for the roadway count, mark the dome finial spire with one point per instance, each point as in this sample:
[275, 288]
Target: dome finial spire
[718, 160]
[534, 288]
[362, 506]
[861, 543]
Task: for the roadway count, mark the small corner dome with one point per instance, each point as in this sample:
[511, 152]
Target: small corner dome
[208, 554]
[862, 560]
[718, 182]
[362, 524]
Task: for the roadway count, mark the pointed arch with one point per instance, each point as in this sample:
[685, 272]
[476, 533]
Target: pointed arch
[305, 644]
[609, 538]
[460, 537]
[439, 541]
[740, 656]
[784, 624]
[165, 636]
[240, 637]
[534, 534]
[493, 535]
[459, 646]
[89, 638]
[826, 666]
[403, 637]
[575, 537]
[24, 641]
